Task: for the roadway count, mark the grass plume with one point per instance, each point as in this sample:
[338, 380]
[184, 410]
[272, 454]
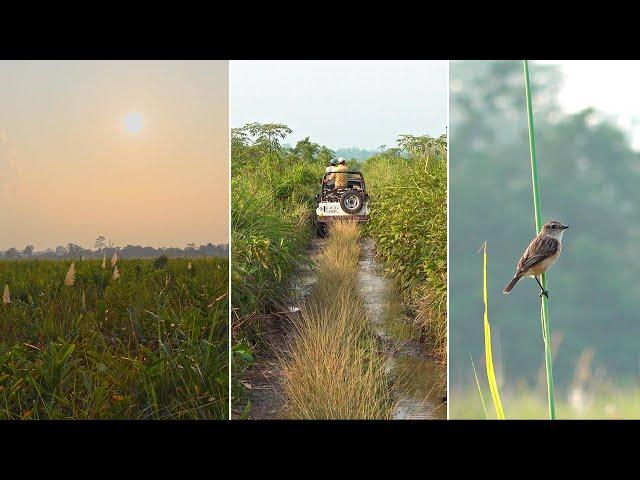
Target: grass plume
[6, 295]
[70, 278]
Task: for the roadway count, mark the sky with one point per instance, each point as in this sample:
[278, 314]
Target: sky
[135, 151]
[342, 104]
[610, 86]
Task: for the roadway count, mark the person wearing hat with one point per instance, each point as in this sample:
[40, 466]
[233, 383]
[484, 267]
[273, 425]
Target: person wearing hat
[329, 180]
[340, 179]
[332, 165]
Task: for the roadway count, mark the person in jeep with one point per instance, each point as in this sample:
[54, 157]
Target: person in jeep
[339, 180]
[330, 168]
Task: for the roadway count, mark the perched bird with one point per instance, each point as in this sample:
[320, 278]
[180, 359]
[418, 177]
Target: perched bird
[541, 253]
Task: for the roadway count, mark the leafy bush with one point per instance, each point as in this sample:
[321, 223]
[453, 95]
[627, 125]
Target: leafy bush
[272, 199]
[408, 186]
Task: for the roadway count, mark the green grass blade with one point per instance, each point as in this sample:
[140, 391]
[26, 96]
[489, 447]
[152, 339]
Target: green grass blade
[546, 324]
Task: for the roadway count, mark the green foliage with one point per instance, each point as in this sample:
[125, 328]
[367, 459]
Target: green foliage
[273, 189]
[151, 344]
[408, 187]
[161, 261]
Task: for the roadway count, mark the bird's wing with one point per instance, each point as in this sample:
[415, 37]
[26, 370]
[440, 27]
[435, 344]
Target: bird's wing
[540, 249]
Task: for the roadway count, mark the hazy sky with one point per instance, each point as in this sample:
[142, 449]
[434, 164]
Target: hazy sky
[342, 103]
[610, 86]
[134, 151]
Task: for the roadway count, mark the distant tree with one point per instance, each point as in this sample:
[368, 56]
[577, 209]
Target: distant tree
[11, 254]
[306, 150]
[74, 250]
[101, 242]
[267, 136]
[28, 250]
[257, 143]
[324, 155]
[423, 146]
[61, 251]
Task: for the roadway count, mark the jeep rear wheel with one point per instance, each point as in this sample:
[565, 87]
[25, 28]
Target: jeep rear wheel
[351, 201]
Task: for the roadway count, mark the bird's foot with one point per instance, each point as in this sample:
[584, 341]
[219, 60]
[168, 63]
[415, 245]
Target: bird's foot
[545, 293]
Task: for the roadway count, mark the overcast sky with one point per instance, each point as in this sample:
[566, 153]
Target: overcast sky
[342, 103]
[611, 86]
[134, 151]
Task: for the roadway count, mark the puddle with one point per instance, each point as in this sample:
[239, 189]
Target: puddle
[306, 277]
[421, 381]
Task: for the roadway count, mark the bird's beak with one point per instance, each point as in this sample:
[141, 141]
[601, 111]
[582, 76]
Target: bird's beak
[564, 227]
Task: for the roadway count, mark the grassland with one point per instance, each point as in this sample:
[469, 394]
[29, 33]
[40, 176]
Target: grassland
[151, 344]
[409, 225]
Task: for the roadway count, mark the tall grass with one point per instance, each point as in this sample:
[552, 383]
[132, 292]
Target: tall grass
[272, 196]
[151, 344]
[333, 367]
[408, 187]
[544, 306]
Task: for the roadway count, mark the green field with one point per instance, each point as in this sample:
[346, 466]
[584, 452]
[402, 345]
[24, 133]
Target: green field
[151, 344]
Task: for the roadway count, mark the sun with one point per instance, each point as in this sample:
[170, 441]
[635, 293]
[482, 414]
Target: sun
[133, 122]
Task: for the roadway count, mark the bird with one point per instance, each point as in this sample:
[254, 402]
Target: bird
[541, 253]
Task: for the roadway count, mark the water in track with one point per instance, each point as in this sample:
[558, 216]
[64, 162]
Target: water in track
[420, 380]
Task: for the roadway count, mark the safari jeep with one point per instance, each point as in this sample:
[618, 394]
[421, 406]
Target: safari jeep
[349, 203]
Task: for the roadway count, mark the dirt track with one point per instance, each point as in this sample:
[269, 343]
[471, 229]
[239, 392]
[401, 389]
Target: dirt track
[420, 380]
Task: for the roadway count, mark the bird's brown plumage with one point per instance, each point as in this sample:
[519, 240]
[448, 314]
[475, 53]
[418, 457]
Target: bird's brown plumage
[535, 260]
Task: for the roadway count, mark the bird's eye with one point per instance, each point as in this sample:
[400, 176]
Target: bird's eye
[553, 226]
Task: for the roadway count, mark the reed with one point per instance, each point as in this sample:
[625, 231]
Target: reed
[544, 306]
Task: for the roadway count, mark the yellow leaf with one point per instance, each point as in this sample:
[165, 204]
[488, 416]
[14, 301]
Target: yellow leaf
[491, 376]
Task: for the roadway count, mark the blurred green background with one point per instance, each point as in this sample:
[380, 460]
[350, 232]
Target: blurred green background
[588, 179]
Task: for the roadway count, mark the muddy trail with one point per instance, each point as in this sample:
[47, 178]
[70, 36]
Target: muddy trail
[263, 380]
[419, 380]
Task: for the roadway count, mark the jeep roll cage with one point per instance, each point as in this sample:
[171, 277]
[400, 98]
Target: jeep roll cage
[351, 181]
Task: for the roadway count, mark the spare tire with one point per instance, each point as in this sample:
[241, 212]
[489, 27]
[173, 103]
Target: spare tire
[351, 201]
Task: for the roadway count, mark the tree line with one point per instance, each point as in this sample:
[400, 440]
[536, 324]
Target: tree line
[104, 247]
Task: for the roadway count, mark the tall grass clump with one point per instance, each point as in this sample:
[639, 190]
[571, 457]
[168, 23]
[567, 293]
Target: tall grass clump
[151, 344]
[273, 189]
[333, 367]
[408, 187]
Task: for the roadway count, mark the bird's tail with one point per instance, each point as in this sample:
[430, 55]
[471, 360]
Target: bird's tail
[511, 284]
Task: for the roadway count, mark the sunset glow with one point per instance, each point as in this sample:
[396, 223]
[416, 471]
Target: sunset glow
[69, 170]
[133, 122]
